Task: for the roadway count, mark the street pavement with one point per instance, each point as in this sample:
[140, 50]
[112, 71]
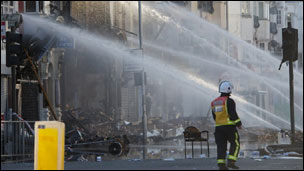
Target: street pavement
[283, 163]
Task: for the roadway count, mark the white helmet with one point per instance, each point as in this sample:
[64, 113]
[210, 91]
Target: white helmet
[225, 87]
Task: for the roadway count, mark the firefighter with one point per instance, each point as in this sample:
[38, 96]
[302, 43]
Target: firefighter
[226, 121]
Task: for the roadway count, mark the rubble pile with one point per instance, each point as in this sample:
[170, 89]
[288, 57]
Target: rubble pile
[82, 137]
[98, 124]
[262, 135]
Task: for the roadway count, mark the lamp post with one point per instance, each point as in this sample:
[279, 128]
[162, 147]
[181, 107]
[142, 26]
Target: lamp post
[144, 115]
[290, 54]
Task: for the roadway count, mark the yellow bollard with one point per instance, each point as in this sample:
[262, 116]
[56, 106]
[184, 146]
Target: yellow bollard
[49, 145]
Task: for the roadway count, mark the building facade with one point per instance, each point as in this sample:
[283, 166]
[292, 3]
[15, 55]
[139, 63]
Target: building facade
[7, 7]
[31, 104]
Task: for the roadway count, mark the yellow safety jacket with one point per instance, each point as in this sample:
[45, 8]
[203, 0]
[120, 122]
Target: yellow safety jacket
[219, 108]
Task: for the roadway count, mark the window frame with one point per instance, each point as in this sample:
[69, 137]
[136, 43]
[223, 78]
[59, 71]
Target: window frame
[37, 11]
[261, 16]
[245, 8]
[262, 43]
[7, 8]
[279, 17]
[254, 6]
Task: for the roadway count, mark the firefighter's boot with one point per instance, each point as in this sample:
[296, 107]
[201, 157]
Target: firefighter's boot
[222, 167]
[231, 164]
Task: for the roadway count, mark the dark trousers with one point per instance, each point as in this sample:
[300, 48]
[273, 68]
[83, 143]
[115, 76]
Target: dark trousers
[222, 135]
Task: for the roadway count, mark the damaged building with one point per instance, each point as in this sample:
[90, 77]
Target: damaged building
[92, 81]
[105, 87]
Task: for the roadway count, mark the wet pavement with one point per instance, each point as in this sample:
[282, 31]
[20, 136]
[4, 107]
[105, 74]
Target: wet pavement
[283, 163]
[172, 157]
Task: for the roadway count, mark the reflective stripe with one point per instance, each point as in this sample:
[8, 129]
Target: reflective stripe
[229, 123]
[237, 145]
[221, 161]
[238, 120]
[232, 157]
